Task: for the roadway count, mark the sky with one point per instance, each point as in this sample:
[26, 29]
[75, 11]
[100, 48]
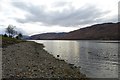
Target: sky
[40, 16]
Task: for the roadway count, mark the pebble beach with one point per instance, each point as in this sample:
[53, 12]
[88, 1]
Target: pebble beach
[30, 60]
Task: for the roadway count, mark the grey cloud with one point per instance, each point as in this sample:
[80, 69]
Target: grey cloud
[68, 17]
[61, 4]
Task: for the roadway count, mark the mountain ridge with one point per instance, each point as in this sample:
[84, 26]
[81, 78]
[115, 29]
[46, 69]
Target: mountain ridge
[48, 36]
[105, 31]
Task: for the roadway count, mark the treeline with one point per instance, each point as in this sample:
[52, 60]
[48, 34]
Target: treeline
[12, 33]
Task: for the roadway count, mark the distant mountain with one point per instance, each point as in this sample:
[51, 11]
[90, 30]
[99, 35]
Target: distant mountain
[47, 36]
[105, 31]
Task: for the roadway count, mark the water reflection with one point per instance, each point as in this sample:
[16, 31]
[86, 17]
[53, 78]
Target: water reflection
[97, 59]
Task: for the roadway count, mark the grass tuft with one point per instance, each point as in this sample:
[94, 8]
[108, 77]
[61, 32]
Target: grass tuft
[6, 41]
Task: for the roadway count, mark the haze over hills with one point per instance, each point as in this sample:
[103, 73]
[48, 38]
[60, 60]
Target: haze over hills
[105, 31]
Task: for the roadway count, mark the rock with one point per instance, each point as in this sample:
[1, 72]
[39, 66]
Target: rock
[30, 66]
[57, 55]
[89, 52]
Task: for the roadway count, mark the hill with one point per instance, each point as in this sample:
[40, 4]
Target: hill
[105, 31]
[47, 36]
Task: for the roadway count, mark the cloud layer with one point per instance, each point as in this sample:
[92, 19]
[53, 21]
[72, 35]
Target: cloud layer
[66, 17]
[40, 16]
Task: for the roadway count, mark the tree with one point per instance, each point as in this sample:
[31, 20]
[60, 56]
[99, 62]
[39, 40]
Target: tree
[19, 36]
[5, 35]
[10, 30]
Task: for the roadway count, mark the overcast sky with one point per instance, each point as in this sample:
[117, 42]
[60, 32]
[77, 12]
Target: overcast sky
[41, 16]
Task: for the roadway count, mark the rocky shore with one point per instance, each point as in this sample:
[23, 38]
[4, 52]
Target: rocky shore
[30, 60]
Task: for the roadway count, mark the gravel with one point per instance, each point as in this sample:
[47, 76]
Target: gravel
[30, 60]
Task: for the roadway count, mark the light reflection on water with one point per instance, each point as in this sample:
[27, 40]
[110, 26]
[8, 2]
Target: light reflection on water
[96, 58]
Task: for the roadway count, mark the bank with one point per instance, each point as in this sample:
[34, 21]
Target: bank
[27, 59]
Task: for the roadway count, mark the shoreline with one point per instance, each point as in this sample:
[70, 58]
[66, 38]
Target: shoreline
[30, 60]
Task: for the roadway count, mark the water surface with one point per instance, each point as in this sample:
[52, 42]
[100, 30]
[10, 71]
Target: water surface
[97, 59]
